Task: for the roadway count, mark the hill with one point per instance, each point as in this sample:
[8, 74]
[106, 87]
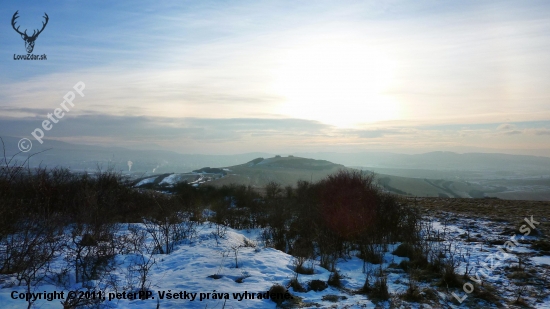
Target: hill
[283, 170]
[287, 171]
[434, 174]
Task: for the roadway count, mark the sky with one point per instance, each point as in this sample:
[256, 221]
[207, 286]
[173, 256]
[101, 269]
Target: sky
[226, 77]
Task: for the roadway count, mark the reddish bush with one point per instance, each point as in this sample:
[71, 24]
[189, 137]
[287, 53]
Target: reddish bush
[349, 202]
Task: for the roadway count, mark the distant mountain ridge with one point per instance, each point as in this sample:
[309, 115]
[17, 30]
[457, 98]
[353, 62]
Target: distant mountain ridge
[438, 160]
[88, 157]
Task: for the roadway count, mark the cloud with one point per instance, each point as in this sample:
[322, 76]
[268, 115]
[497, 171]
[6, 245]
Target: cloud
[150, 128]
[543, 131]
[528, 130]
[506, 126]
[238, 135]
[374, 133]
[513, 132]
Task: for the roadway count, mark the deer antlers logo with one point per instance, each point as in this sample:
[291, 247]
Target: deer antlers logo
[29, 40]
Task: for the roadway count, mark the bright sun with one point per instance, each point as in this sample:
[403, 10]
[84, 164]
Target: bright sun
[336, 82]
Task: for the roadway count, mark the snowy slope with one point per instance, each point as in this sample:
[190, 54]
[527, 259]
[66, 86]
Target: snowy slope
[190, 267]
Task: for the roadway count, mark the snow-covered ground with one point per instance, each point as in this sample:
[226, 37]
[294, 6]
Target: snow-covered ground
[240, 256]
[146, 181]
[170, 180]
[496, 256]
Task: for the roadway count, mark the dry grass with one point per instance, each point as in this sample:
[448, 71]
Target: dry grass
[512, 212]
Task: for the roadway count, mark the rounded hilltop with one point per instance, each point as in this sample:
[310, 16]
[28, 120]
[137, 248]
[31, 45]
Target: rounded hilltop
[292, 162]
[284, 170]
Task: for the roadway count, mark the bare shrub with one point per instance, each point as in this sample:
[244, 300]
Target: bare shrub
[273, 190]
[405, 250]
[413, 292]
[139, 268]
[450, 264]
[29, 252]
[219, 232]
[277, 293]
[317, 285]
[244, 275]
[348, 203]
[296, 285]
[335, 279]
[299, 266]
[91, 252]
[133, 241]
[169, 225]
[235, 249]
[380, 288]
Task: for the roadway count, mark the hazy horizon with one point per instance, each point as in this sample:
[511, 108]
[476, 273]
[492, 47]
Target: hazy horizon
[215, 77]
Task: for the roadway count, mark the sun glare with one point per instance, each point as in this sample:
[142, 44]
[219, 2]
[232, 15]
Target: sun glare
[336, 82]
